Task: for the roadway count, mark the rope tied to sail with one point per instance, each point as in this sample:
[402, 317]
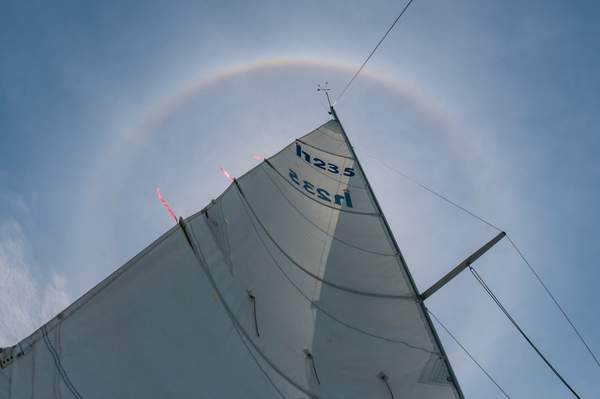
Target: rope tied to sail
[383, 377]
[253, 300]
[311, 359]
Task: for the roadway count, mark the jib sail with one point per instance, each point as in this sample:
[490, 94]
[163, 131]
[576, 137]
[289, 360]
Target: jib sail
[289, 285]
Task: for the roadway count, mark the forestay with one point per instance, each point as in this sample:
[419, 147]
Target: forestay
[286, 286]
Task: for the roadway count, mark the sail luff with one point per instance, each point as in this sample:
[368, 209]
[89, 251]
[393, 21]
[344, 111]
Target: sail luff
[403, 263]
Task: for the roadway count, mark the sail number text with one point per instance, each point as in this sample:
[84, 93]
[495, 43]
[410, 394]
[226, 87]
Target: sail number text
[321, 193]
[321, 164]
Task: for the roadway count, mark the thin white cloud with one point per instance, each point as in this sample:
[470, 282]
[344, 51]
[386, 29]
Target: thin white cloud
[26, 301]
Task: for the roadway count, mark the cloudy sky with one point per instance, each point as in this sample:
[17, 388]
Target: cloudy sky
[495, 104]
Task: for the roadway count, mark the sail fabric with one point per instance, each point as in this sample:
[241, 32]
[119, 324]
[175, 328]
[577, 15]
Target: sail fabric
[152, 330]
[4, 384]
[286, 286]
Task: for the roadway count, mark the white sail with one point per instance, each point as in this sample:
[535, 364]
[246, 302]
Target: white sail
[4, 384]
[286, 286]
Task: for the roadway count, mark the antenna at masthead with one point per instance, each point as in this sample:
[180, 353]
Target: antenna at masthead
[325, 90]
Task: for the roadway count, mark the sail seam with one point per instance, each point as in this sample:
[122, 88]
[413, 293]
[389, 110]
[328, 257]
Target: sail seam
[319, 228]
[258, 364]
[10, 390]
[204, 266]
[318, 202]
[91, 294]
[243, 341]
[33, 369]
[335, 285]
[323, 310]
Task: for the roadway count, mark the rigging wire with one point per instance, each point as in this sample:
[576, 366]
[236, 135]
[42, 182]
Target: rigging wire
[373, 52]
[488, 375]
[512, 243]
[520, 253]
[489, 291]
[558, 306]
[437, 194]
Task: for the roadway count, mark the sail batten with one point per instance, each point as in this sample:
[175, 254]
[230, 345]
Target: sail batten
[276, 289]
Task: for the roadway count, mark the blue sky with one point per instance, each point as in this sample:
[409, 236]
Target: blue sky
[495, 104]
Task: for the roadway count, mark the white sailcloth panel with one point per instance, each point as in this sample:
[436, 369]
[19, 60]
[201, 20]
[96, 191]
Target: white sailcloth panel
[4, 384]
[155, 329]
[305, 274]
[291, 288]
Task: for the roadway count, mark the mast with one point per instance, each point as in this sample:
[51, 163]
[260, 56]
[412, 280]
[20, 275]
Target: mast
[424, 312]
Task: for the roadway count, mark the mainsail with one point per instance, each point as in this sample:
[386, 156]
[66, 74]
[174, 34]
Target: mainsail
[289, 285]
